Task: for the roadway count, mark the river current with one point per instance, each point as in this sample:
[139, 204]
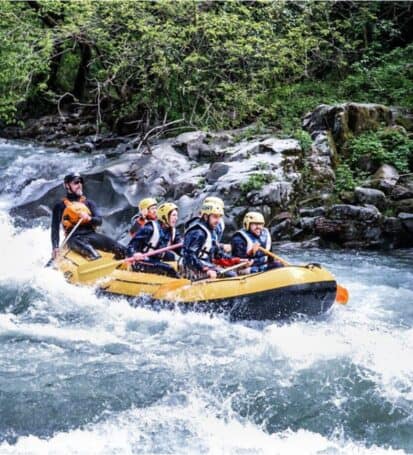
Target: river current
[85, 374]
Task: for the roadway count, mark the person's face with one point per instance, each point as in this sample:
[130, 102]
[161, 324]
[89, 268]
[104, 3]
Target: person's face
[151, 212]
[75, 187]
[256, 228]
[213, 220]
[173, 218]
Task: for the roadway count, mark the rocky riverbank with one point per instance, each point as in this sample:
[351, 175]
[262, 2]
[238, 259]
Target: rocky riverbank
[291, 181]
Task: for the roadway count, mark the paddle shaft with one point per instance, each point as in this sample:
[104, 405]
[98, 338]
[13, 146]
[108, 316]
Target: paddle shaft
[67, 238]
[64, 242]
[233, 267]
[274, 256]
[155, 252]
[113, 264]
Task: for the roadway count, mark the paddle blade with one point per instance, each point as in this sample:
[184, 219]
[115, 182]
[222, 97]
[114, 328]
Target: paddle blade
[166, 288]
[342, 295]
[97, 269]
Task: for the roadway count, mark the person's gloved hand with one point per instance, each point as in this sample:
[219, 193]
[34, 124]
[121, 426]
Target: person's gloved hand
[138, 256]
[254, 249]
[248, 262]
[85, 217]
[211, 274]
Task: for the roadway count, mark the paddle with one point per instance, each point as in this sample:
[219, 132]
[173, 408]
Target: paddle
[176, 284]
[66, 239]
[342, 294]
[274, 256]
[91, 271]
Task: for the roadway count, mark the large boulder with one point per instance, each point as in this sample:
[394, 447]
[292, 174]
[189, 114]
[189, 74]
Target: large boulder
[407, 222]
[385, 178]
[202, 145]
[404, 205]
[350, 226]
[370, 196]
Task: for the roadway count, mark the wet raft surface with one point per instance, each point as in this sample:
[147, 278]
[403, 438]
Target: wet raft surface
[276, 294]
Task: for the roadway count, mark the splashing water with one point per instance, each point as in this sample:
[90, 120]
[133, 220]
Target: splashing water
[82, 374]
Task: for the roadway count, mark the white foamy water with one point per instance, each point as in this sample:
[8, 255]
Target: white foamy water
[87, 374]
[186, 428]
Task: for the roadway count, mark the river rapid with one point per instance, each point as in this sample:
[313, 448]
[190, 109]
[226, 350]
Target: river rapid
[85, 374]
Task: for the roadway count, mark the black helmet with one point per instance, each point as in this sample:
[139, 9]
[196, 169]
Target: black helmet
[72, 176]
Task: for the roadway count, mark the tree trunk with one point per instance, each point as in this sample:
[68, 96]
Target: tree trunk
[82, 71]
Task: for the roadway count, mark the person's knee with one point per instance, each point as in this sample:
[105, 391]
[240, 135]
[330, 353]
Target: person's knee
[120, 252]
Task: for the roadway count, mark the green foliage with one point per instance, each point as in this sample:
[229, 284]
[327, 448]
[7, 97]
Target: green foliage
[387, 145]
[344, 178]
[215, 64]
[263, 166]
[256, 182]
[304, 139]
[384, 146]
[250, 132]
[387, 80]
[23, 58]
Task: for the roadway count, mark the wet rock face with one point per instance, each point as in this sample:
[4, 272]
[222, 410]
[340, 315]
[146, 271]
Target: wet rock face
[257, 174]
[265, 173]
[345, 119]
[370, 196]
[407, 221]
[385, 178]
[346, 224]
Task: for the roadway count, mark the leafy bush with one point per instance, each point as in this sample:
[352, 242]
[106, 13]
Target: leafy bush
[215, 64]
[304, 139]
[387, 145]
[386, 80]
[344, 178]
[256, 182]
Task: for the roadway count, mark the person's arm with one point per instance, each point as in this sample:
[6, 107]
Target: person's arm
[55, 227]
[141, 240]
[96, 217]
[135, 225]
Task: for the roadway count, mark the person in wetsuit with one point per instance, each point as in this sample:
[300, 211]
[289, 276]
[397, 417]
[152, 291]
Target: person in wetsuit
[74, 207]
[246, 243]
[147, 212]
[157, 234]
[202, 254]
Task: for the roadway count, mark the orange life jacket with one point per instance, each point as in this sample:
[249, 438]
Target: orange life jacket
[71, 213]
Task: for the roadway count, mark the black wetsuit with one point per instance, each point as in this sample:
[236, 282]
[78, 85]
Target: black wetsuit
[84, 240]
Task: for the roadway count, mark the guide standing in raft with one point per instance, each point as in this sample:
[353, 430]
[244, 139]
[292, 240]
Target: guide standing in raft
[74, 207]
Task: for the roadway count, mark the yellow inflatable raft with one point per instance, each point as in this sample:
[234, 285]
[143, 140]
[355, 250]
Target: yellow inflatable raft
[278, 293]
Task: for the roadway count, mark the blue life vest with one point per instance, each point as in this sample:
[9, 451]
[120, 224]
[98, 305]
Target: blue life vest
[211, 239]
[260, 258]
[160, 237]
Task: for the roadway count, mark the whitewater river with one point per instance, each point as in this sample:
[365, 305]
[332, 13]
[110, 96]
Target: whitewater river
[86, 375]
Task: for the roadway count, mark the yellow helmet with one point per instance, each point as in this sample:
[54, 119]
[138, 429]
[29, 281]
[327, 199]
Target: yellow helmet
[211, 209]
[146, 203]
[214, 200]
[164, 210]
[252, 217]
